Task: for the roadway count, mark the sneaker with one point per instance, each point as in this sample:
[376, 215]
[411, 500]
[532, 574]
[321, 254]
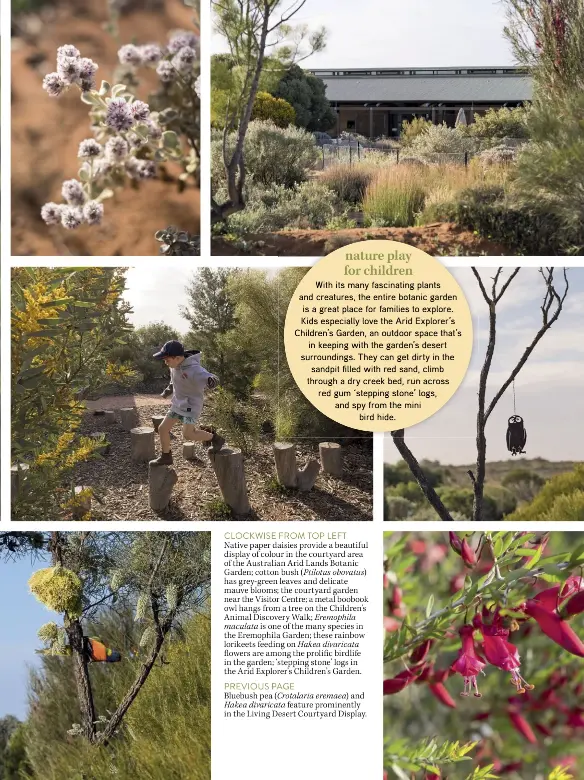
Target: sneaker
[164, 459]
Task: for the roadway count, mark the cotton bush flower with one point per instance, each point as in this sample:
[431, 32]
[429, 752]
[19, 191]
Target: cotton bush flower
[54, 85]
[140, 110]
[72, 192]
[116, 149]
[89, 148]
[93, 212]
[68, 50]
[181, 39]
[71, 217]
[119, 115]
[151, 54]
[51, 213]
[68, 69]
[166, 72]
[87, 71]
[184, 59]
[130, 55]
[198, 87]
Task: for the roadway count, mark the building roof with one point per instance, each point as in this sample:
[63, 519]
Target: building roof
[432, 85]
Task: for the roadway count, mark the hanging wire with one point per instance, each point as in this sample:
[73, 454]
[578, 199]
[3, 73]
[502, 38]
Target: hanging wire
[514, 397]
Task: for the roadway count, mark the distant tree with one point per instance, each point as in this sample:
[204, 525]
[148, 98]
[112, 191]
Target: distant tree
[524, 483]
[15, 759]
[306, 93]
[147, 340]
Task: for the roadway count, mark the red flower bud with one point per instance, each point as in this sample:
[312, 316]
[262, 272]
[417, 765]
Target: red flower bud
[557, 629]
[398, 683]
[574, 606]
[440, 692]
[419, 653]
[455, 542]
[468, 554]
[522, 726]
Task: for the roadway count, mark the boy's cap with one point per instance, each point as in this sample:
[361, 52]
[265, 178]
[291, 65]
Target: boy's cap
[170, 349]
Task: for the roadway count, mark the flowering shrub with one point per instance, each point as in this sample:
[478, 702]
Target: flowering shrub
[59, 589]
[131, 139]
[464, 612]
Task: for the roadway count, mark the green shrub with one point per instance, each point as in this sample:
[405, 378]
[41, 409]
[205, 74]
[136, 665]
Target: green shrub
[349, 182]
[273, 155]
[523, 483]
[308, 205]
[240, 422]
[410, 490]
[461, 500]
[273, 109]
[567, 507]
[394, 197]
[397, 508]
[441, 144]
[501, 123]
[504, 499]
[412, 129]
[547, 505]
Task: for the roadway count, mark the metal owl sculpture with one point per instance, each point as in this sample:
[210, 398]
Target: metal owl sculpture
[516, 435]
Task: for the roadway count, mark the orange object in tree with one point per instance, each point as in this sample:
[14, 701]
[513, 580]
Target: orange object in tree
[98, 652]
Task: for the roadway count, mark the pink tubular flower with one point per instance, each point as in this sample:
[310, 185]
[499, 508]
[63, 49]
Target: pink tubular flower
[439, 691]
[468, 662]
[573, 606]
[499, 652]
[521, 725]
[553, 626]
[419, 653]
[391, 624]
[398, 683]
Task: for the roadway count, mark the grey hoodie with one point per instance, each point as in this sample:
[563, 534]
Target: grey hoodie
[189, 382]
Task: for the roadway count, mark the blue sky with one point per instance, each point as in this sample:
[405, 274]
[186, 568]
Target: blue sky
[392, 33]
[21, 615]
[548, 388]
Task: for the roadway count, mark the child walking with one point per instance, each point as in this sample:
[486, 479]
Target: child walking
[188, 382]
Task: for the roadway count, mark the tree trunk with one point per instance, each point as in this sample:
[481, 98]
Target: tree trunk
[331, 458]
[143, 447]
[189, 450]
[161, 481]
[229, 470]
[286, 468]
[17, 478]
[109, 417]
[308, 476]
[156, 420]
[129, 418]
[82, 681]
[478, 481]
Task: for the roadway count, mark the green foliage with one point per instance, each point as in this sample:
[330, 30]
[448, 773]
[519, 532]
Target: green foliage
[307, 205]
[66, 323]
[240, 422]
[439, 143]
[525, 484]
[504, 499]
[14, 763]
[410, 490]
[427, 754]
[217, 510]
[349, 182]
[561, 498]
[307, 94]
[396, 507]
[411, 129]
[399, 472]
[210, 313]
[143, 343]
[461, 500]
[395, 202]
[268, 108]
[501, 123]
[273, 155]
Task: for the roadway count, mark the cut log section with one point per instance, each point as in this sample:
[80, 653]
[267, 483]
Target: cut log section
[289, 475]
[156, 420]
[17, 479]
[161, 481]
[129, 418]
[143, 447]
[286, 468]
[228, 466]
[109, 417]
[331, 458]
[189, 450]
[106, 446]
[82, 503]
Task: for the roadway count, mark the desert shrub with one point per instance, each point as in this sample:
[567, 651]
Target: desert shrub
[504, 499]
[426, 513]
[379, 158]
[307, 205]
[501, 123]
[498, 155]
[544, 506]
[268, 108]
[440, 144]
[273, 155]
[348, 181]
[397, 473]
[240, 422]
[523, 483]
[409, 490]
[412, 129]
[461, 500]
[567, 507]
[394, 197]
[342, 222]
[397, 508]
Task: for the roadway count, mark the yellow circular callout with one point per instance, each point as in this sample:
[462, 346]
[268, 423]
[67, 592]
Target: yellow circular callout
[378, 335]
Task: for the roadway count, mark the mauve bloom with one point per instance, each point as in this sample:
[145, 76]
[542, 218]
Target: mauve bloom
[140, 110]
[181, 39]
[68, 69]
[89, 148]
[521, 725]
[71, 217]
[87, 71]
[93, 212]
[72, 192]
[54, 85]
[68, 50]
[147, 169]
[166, 72]
[51, 213]
[116, 148]
[119, 115]
[130, 55]
[468, 662]
[184, 59]
[151, 53]
[553, 626]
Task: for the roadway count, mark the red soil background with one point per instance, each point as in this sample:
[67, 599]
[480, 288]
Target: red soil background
[46, 132]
